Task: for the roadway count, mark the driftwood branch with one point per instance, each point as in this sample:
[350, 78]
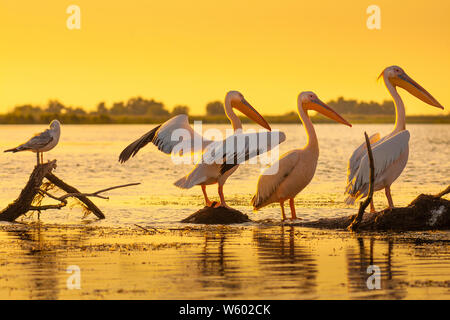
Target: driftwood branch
[33, 190]
[93, 194]
[63, 198]
[443, 193]
[47, 207]
[363, 205]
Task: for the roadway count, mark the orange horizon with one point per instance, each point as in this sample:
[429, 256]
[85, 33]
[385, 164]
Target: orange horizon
[193, 53]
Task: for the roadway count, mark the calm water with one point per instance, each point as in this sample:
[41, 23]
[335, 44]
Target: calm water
[254, 261]
[221, 263]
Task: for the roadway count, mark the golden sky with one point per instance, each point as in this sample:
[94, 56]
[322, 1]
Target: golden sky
[192, 52]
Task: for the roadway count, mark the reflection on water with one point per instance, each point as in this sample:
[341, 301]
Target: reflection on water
[216, 266]
[362, 256]
[287, 262]
[220, 263]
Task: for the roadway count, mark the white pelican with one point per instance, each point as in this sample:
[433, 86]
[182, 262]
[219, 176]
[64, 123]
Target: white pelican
[41, 142]
[211, 168]
[296, 168]
[390, 153]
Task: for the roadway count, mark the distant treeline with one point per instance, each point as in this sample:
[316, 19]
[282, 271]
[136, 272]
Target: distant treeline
[140, 110]
[344, 106]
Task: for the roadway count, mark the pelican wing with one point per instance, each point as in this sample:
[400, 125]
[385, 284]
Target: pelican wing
[355, 159]
[384, 155]
[273, 177]
[171, 133]
[239, 147]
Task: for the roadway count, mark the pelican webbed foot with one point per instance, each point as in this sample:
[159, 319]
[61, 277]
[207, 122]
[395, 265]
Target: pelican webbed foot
[291, 220]
[222, 205]
[211, 204]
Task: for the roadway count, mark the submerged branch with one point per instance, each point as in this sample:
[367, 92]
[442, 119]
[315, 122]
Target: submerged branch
[363, 205]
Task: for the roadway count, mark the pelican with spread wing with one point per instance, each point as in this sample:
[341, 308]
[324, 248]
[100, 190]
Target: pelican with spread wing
[219, 159]
[41, 142]
[391, 152]
[294, 170]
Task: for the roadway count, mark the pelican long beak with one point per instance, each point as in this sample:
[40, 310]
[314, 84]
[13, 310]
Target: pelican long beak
[415, 89]
[243, 106]
[327, 111]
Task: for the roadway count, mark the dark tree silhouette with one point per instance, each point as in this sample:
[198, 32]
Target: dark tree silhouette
[141, 106]
[27, 109]
[215, 108]
[118, 108]
[101, 108]
[54, 106]
[180, 110]
[341, 105]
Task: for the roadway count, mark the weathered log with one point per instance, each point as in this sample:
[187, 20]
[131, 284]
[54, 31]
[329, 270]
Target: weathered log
[426, 212]
[23, 203]
[220, 215]
[35, 190]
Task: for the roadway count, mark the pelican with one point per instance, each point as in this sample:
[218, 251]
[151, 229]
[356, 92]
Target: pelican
[295, 169]
[41, 142]
[210, 169]
[391, 152]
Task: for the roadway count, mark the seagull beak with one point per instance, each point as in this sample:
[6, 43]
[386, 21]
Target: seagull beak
[243, 106]
[415, 89]
[326, 110]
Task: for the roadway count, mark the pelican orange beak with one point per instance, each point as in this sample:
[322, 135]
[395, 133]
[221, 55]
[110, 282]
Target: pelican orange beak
[243, 106]
[405, 82]
[327, 111]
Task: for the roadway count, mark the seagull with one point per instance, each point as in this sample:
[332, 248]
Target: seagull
[41, 142]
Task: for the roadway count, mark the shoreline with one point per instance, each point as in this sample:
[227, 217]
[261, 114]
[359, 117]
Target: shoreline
[274, 120]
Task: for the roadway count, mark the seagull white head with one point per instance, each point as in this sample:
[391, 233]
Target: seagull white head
[55, 124]
[238, 102]
[398, 77]
[309, 101]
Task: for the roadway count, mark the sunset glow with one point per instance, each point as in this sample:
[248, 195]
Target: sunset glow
[193, 52]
